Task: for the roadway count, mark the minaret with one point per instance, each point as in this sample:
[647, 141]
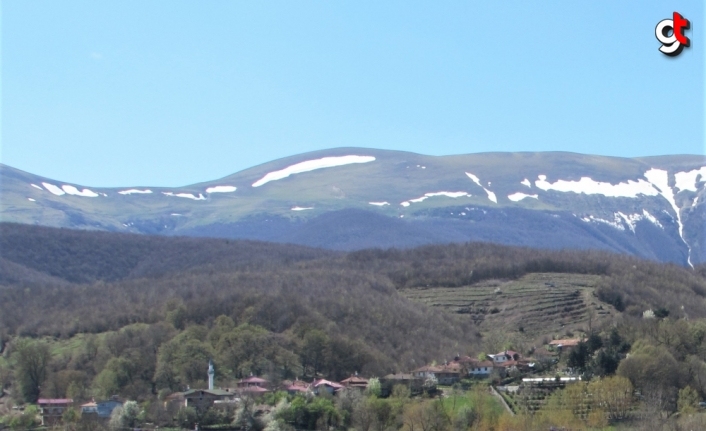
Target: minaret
[211, 372]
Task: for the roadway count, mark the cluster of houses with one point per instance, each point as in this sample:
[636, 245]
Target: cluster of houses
[52, 409]
[448, 373]
[255, 386]
[464, 366]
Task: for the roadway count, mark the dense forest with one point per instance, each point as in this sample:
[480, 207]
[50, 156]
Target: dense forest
[140, 316]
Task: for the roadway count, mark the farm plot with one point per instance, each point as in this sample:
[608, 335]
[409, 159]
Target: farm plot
[536, 304]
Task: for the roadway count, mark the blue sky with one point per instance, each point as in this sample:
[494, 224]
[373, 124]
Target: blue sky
[168, 93]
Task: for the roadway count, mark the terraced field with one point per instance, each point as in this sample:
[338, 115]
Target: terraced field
[536, 304]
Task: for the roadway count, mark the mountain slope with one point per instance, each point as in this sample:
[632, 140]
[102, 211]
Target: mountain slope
[352, 198]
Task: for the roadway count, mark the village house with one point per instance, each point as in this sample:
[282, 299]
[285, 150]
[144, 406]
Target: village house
[253, 386]
[477, 368]
[296, 387]
[324, 385]
[355, 382]
[202, 399]
[426, 372]
[446, 374]
[565, 344]
[253, 382]
[507, 355]
[473, 367]
[52, 409]
[100, 409]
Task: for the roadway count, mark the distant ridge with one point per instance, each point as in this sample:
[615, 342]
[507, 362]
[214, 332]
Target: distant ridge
[352, 198]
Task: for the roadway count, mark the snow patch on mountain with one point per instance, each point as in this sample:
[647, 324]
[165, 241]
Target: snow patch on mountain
[36, 187]
[660, 179]
[434, 194]
[587, 185]
[31, 200]
[134, 191]
[53, 189]
[526, 182]
[621, 221]
[71, 190]
[516, 197]
[616, 222]
[491, 195]
[652, 219]
[310, 165]
[185, 195]
[688, 180]
[221, 189]
[302, 208]
[379, 204]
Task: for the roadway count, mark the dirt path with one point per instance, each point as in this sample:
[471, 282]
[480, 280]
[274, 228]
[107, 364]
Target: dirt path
[502, 400]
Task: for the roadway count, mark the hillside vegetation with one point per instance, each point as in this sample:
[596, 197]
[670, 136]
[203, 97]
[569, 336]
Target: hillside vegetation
[139, 315]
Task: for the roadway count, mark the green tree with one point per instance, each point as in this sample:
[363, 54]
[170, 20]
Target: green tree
[126, 416]
[579, 356]
[688, 401]
[27, 420]
[314, 351]
[374, 388]
[31, 359]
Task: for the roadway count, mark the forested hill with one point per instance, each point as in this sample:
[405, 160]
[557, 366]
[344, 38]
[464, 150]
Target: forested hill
[78, 256]
[62, 283]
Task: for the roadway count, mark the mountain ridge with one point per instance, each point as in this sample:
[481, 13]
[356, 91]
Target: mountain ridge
[424, 199]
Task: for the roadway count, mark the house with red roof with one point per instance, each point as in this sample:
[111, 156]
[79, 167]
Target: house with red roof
[325, 385]
[446, 374]
[479, 368]
[200, 399]
[355, 381]
[253, 381]
[253, 386]
[295, 387]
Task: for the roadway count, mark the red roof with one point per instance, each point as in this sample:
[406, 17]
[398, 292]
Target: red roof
[355, 380]
[569, 342]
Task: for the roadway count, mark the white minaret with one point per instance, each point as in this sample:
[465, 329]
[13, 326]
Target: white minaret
[211, 372]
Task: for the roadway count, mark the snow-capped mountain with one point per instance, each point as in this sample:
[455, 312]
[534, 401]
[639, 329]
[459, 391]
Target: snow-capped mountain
[350, 198]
